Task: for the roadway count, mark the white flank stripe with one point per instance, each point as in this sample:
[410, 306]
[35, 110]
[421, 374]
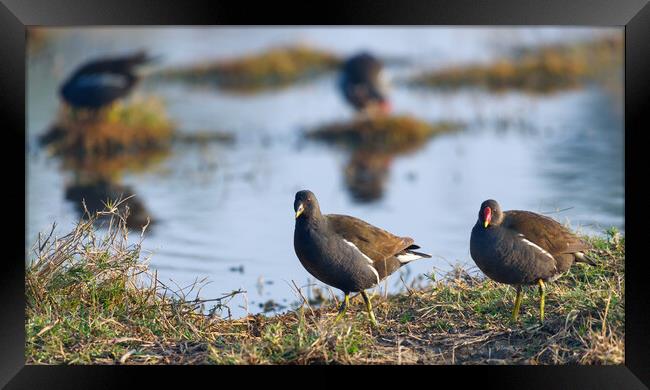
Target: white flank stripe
[374, 271]
[368, 259]
[537, 247]
[407, 257]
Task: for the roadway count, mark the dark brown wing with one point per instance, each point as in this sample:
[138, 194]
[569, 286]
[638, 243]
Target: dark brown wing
[544, 231]
[372, 241]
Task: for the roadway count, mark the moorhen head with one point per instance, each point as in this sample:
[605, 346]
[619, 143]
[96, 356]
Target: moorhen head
[523, 248]
[346, 252]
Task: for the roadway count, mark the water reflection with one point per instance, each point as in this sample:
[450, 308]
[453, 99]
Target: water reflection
[96, 195]
[373, 142]
[366, 175]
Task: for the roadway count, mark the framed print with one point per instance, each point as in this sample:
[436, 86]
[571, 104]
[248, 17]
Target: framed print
[428, 185]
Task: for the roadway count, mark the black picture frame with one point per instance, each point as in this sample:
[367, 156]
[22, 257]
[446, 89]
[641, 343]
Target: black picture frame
[15, 15]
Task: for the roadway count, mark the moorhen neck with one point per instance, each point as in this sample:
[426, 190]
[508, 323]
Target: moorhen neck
[523, 248]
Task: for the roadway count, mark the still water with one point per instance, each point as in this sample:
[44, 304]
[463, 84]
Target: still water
[225, 211]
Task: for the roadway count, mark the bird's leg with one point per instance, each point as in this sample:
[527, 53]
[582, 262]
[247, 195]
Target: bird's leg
[366, 299]
[343, 308]
[542, 295]
[515, 311]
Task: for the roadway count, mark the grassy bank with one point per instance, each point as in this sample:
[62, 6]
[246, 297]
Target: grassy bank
[91, 299]
[546, 69]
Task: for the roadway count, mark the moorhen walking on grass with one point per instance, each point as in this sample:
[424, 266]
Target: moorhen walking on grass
[362, 84]
[523, 248]
[346, 252]
[100, 82]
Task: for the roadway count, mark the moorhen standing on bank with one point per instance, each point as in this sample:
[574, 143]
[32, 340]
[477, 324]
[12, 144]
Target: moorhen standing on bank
[523, 248]
[100, 82]
[362, 84]
[346, 252]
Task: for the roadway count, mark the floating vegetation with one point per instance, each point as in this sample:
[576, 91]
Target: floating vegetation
[141, 124]
[385, 134]
[274, 68]
[541, 70]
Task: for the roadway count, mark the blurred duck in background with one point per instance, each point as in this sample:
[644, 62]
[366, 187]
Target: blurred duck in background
[363, 84]
[100, 82]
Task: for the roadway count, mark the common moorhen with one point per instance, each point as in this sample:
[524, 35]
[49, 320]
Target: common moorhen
[99, 82]
[363, 85]
[523, 248]
[346, 252]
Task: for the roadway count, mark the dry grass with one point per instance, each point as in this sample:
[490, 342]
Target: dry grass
[90, 197]
[382, 134]
[273, 68]
[141, 124]
[91, 299]
[544, 70]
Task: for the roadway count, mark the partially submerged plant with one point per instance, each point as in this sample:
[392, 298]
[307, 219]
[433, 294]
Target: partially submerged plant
[272, 68]
[541, 70]
[141, 124]
[382, 134]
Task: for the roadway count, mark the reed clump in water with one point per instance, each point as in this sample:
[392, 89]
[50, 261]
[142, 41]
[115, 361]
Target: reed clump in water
[543, 70]
[382, 134]
[273, 68]
[133, 127]
[91, 299]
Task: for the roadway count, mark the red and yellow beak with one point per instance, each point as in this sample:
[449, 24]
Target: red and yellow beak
[487, 216]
